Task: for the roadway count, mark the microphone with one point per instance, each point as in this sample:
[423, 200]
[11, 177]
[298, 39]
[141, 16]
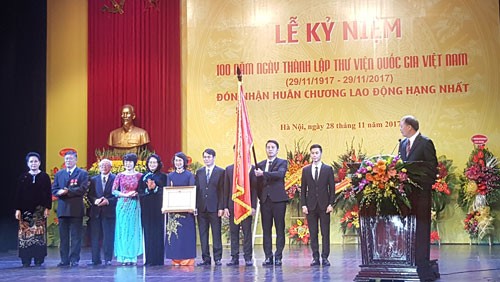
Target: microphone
[399, 142]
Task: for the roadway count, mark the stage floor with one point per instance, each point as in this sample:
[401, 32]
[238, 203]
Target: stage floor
[456, 263]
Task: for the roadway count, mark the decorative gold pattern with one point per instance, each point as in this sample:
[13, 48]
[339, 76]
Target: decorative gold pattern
[116, 8]
[172, 224]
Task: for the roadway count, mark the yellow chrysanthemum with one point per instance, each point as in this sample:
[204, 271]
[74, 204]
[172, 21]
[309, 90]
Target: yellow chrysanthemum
[471, 189]
[302, 231]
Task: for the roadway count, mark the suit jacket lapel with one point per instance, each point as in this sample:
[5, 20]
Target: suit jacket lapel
[211, 174]
[411, 149]
[262, 165]
[273, 164]
[69, 177]
[414, 145]
[321, 172]
[109, 185]
[313, 172]
[100, 189]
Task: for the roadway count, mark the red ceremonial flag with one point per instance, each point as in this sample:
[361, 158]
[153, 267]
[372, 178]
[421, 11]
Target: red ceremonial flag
[242, 162]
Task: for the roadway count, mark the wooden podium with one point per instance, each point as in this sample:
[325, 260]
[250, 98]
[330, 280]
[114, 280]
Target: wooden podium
[388, 248]
[388, 242]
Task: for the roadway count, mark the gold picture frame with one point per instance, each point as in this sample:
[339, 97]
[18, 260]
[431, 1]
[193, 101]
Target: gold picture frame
[179, 199]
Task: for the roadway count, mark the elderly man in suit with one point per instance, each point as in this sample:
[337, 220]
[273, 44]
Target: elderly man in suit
[70, 185]
[417, 147]
[317, 196]
[210, 206]
[273, 200]
[102, 213]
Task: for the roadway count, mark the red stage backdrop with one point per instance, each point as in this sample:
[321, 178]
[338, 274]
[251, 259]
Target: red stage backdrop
[134, 58]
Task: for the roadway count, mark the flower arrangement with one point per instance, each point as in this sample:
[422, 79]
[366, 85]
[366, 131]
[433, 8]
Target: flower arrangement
[381, 183]
[435, 237]
[445, 183]
[481, 180]
[479, 223]
[341, 167]
[225, 229]
[191, 166]
[350, 220]
[53, 226]
[194, 166]
[347, 164]
[299, 232]
[225, 232]
[117, 167]
[293, 193]
[116, 160]
[480, 188]
[297, 160]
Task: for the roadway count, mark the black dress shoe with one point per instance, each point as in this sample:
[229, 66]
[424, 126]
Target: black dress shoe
[233, 262]
[63, 264]
[268, 261]
[325, 262]
[94, 263]
[277, 262]
[218, 262]
[39, 262]
[248, 262]
[74, 264]
[203, 263]
[26, 265]
[314, 262]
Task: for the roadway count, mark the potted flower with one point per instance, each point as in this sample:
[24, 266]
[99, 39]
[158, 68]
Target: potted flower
[299, 232]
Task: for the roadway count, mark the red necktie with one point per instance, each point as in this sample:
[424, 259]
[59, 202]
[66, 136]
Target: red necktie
[408, 147]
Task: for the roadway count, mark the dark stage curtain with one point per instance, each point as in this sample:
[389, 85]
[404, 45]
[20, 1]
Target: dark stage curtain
[23, 44]
[134, 58]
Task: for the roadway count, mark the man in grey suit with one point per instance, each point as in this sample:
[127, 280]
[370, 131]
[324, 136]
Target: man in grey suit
[70, 185]
[102, 213]
[317, 196]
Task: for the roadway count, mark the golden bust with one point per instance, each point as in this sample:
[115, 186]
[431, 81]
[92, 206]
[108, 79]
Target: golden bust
[128, 136]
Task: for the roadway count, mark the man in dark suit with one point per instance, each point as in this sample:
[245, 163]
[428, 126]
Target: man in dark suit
[70, 185]
[102, 213]
[246, 224]
[317, 196]
[209, 204]
[416, 147]
[273, 200]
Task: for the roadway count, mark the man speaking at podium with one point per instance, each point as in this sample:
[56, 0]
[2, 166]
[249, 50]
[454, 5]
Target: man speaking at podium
[417, 147]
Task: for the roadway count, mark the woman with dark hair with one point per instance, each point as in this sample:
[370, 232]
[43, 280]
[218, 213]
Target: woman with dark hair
[180, 241]
[128, 230]
[151, 195]
[33, 203]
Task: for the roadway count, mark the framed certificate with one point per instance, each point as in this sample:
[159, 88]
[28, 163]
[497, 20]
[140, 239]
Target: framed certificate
[179, 199]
